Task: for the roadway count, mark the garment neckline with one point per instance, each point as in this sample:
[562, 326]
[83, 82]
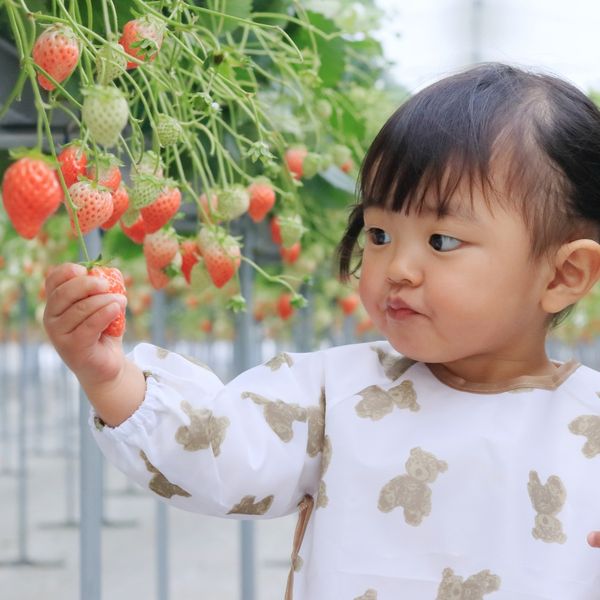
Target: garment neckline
[544, 382]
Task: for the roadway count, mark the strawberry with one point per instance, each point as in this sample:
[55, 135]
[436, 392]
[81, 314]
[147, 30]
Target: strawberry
[275, 230]
[294, 158]
[157, 277]
[132, 225]
[110, 62]
[105, 113]
[190, 255]
[262, 199]
[349, 303]
[56, 50]
[323, 109]
[221, 254]
[109, 174]
[142, 39]
[340, 154]
[206, 325]
[120, 200]
[31, 193]
[162, 209]
[311, 165]
[233, 202]
[73, 163]
[160, 248]
[284, 306]
[290, 255]
[150, 164]
[94, 205]
[116, 285]
[291, 229]
[347, 166]
[168, 130]
[146, 189]
[208, 213]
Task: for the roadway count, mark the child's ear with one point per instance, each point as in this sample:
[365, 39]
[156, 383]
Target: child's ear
[576, 270]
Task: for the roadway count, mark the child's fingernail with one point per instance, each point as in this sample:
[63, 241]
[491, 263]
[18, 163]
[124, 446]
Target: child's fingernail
[121, 299]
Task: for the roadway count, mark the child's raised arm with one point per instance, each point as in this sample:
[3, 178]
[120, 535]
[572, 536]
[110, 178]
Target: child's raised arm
[78, 309]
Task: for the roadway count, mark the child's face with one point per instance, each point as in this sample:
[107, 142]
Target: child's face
[457, 287]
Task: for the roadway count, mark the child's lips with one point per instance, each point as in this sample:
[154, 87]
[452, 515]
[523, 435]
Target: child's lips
[397, 309]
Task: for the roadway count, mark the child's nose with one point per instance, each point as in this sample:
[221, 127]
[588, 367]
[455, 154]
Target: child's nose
[404, 269]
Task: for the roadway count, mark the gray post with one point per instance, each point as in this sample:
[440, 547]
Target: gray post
[5, 396]
[91, 488]
[162, 524]
[246, 353]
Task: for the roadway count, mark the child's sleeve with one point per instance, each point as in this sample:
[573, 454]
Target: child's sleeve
[249, 448]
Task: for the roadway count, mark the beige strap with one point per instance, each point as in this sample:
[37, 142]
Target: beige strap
[305, 508]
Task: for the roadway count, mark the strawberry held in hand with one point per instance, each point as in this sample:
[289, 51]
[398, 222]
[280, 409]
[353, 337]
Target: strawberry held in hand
[116, 285]
[93, 203]
[31, 193]
[221, 254]
[57, 52]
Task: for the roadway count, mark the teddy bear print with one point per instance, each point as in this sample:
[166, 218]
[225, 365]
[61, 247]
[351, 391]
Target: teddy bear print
[475, 587]
[159, 484]
[322, 499]
[589, 426]
[411, 491]
[547, 500]
[368, 595]
[279, 414]
[249, 506]
[283, 358]
[315, 417]
[376, 402]
[203, 431]
[393, 365]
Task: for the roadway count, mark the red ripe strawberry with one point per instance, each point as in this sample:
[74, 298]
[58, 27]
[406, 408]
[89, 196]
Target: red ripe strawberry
[275, 230]
[349, 303]
[157, 277]
[133, 226]
[190, 255]
[294, 157]
[347, 166]
[31, 193]
[262, 199]
[209, 213]
[116, 285]
[160, 248]
[57, 52]
[142, 39]
[94, 205]
[206, 325]
[221, 254]
[109, 174]
[290, 255]
[284, 306]
[161, 211]
[73, 163]
[120, 204]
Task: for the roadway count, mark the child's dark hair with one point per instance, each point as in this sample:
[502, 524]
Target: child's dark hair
[545, 130]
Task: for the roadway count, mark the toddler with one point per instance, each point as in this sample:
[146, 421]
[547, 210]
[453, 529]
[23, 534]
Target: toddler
[452, 460]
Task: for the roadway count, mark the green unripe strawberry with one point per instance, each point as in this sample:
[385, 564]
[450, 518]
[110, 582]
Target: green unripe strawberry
[233, 202]
[168, 130]
[105, 113]
[146, 189]
[323, 109]
[311, 165]
[110, 62]
[291, 228]
[340, 154]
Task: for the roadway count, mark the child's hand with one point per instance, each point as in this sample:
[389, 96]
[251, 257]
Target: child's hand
[594, 539]
[77, 312]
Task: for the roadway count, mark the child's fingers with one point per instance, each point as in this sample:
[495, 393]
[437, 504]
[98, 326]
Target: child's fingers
[62, 273]
[594, 539]
[84, 313]
[88, 330]
[72, 290]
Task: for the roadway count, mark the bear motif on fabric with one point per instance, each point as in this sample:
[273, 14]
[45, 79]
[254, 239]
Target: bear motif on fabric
[159, 484]
[368, 595]
[315, 417]
[279, 360]
[548, 500]
[249, 506]
[453, 587]
[203, 431]
[376, 402]
[322, 499]
[589, 426]
[394, 366]
[279, 414]
[411, 491]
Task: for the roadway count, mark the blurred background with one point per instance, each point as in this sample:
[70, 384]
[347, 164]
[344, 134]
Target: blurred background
[73, 527]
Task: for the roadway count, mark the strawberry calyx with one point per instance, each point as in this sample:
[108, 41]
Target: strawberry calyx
[33, 154]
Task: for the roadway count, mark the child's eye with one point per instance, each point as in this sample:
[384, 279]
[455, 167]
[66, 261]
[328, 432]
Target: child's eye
[377, 236]
[443, 243]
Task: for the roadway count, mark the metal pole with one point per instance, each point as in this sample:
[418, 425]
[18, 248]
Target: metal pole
[5, 395]
[246, 353]
[162, 524]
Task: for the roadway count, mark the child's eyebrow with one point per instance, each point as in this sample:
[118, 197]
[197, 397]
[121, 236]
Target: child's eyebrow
[451, 210]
